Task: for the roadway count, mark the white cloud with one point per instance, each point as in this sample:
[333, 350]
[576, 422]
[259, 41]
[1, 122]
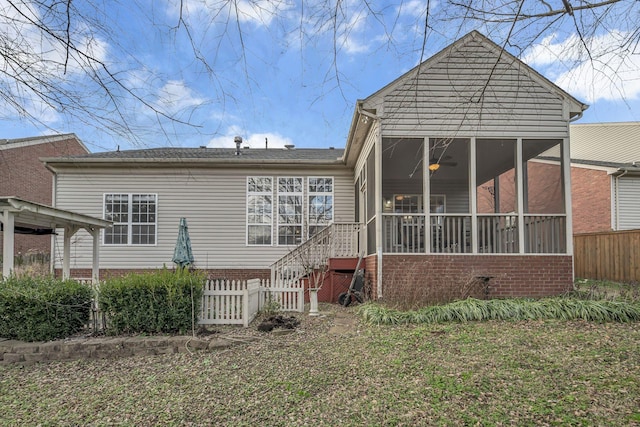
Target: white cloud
[175, 96]
[253, 140]
[605, 71]
[258, 12]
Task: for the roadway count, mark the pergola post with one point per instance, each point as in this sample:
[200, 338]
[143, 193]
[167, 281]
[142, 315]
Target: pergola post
[8, 223]
[95, 265]
[69, 231]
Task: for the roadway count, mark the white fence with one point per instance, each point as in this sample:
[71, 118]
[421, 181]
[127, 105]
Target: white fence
[236, 302]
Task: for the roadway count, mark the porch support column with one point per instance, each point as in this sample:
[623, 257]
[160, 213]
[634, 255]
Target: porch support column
[8, 224]
[474, 197]
[378, 200]
[566, 175]
[69, 231]
[95, 265]
[426, 190]
[520, 190]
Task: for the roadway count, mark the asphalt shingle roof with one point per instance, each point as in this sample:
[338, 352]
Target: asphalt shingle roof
[252, 154]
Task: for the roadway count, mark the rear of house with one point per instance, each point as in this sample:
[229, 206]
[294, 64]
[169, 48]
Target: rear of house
[455, 181]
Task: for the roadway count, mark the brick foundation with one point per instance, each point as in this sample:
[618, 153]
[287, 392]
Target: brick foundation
[451, 275]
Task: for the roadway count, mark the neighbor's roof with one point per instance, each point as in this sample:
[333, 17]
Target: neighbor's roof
[7, 144]
[280, 156]
[606, 142]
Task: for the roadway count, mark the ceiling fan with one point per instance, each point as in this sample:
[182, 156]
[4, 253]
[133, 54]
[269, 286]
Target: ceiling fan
[436, 162]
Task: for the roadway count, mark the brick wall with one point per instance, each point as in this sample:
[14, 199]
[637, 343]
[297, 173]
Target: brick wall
[371, 276]
[512, 276]
[591, 200]
[23, 175]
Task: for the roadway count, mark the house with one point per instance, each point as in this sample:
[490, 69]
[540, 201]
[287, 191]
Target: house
[23, 175]
[605, 176]
[435, 189]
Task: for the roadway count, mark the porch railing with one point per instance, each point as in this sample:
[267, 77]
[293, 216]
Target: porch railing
[545, 234]
[338, 240]
[451, 233]
[498, 234]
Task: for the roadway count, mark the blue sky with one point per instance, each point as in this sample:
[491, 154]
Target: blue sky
[289, 71]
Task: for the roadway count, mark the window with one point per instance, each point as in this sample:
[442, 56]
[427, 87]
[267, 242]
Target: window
[134, 219]
[289, 211]
[259, 210]
[320, 195]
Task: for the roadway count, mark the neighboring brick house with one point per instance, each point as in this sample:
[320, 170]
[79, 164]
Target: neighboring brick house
[605, 176]
[23, 175]
[605, 181]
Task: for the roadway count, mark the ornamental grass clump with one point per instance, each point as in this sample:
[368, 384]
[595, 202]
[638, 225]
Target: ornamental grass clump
[162, 301]
[42, 308]
[472, 309]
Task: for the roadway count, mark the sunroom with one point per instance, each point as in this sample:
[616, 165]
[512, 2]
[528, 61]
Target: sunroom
[461, 173]
[474, 196]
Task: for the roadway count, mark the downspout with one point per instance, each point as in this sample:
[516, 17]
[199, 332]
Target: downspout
[617, 195]
[377, 147]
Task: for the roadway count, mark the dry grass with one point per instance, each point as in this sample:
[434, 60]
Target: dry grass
[475, 373]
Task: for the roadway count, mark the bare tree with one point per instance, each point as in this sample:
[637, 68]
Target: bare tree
[65, 58]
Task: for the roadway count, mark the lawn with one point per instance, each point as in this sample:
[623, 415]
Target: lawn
[475, 373]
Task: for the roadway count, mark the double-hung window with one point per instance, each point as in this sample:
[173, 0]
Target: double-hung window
[320, 197]
[290, 211]
[134, 219]
[259, 210]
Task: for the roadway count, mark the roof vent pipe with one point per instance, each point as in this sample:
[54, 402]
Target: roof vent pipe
[238, 141]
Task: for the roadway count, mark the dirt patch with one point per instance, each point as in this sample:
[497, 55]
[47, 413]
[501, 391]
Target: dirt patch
[281, 322]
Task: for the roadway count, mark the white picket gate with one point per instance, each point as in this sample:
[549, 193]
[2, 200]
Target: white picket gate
[236, 302]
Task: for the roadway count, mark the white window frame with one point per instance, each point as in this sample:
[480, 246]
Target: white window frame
[129, 223]
[299, 194]
[311, 194]
[249, 194]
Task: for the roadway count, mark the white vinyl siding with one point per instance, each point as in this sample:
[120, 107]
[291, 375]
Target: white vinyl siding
[259, 210]
[214, 202]
[134, 219]
[509, 100]
[628, 203]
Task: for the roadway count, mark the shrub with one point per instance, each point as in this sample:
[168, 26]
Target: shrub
[43, 308]
[163, 301]
[509, 309]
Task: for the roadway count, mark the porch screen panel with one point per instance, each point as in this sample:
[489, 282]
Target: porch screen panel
[371, 179]
[290, 211]
[544, 196]
[403, 195]
[450, 231]
[496, 195]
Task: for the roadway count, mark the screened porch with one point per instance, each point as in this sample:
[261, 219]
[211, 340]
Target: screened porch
[470, 195]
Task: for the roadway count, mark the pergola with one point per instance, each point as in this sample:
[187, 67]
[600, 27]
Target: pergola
[20, 215]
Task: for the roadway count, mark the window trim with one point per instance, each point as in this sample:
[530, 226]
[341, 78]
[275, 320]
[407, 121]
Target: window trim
[324, 193]
[130, 222]
[300, 194]
[246, 222]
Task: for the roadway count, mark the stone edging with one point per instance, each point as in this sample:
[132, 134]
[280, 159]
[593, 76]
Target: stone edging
[29, 353]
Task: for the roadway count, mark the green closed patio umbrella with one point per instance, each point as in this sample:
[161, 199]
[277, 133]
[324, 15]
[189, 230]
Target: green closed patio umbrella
[182, 254]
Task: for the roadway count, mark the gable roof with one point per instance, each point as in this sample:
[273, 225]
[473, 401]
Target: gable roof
[371, 107]
[577, 106]
[205, 156]
[8, 144]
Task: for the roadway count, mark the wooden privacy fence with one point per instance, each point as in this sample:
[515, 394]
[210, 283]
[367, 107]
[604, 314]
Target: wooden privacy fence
[236, 302]
[612, 255]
